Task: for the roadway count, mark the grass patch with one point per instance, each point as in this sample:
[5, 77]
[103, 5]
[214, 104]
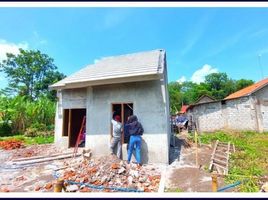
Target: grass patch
[31, 140]
[173, 190]
[250, 161]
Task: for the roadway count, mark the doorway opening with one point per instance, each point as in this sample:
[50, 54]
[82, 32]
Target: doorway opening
[72, 122]
[124, 110]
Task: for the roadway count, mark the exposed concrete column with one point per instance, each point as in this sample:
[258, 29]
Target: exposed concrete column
[258, 116]
[164, 83]
[89, 108]
[58, 117]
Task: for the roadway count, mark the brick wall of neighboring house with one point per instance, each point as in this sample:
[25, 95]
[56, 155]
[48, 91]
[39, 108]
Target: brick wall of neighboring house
[240, 114]
[208, 117]
[244, 113]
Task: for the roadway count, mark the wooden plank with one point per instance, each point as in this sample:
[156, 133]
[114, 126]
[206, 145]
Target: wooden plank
[38, 157]
[233, 148]
[219, 161]
[43, 159]
[227, 166]
[69, 126]
[122, 121]
[219, 166]
[220, 156]
[221, 152]
[214, 150]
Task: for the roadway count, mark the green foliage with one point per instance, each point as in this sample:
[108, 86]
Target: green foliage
[248, 163]
[175, 96]
[5, 129]
[173, 190]
[22, 113]
[30, 73]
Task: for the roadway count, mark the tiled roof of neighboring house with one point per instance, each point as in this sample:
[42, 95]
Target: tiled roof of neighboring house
[184, 108]
[210, 99]
[248, 90]
[116, 67]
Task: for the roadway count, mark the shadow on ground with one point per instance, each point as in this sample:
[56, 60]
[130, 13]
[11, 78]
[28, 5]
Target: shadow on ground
[176, 146]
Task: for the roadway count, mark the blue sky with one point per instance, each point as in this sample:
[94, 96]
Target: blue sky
[198, 41]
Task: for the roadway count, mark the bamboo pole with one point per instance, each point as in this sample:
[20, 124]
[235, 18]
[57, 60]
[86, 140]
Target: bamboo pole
[196, 145]
[58, 185]
[214, 182]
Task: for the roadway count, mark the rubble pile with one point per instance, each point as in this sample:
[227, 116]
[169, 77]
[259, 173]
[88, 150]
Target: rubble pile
[11, 144]
[110, 172]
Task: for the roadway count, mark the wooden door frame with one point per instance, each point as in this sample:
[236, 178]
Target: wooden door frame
[122, 118]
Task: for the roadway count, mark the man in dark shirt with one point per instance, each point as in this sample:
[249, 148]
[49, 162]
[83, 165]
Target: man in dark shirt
[181, 121]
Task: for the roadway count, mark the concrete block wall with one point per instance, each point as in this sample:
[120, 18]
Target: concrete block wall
[241, 114]
[209, 117]
[74, 98]
[245, 113]
[148, 98]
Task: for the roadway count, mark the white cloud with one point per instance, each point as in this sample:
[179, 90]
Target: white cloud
[199, 75]
[96, 61]
[115, 17]
[8, 47]
[38, 40]
[181, 79]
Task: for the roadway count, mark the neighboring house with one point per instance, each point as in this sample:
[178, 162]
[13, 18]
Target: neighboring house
[128, 84]
[184, 108]
[246, 109]
[204, 99]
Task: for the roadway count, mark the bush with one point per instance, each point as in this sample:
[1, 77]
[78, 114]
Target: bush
[34, 132]
[38, 126]
[5, 129]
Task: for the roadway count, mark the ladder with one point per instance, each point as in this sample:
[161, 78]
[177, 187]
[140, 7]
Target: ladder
[220, 157]
[82, 128]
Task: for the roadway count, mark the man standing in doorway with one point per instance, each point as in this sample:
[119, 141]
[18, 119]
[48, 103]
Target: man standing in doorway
[136, 131]
[116, 139]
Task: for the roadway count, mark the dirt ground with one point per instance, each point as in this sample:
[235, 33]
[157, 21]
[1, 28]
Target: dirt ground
[183, 174]
[17, 178]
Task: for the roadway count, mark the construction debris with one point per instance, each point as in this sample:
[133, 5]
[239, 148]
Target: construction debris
[11, 144]
[109, 173]
[264, 188]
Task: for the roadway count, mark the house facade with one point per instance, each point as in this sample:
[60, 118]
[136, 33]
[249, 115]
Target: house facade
[246, 109]
[127, 84]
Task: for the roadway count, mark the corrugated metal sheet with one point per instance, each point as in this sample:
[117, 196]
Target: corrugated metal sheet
[129, 65]
[248, 90]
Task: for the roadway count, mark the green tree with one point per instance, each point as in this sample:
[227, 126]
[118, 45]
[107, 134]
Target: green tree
[220, 85]
[193, 91]
[30, 73]
[242, 83]
[175, 96]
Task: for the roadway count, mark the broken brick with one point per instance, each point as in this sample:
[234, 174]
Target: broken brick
[5, 190]
[37, 188]
[115, 166]
[48, 186]
[85, 189]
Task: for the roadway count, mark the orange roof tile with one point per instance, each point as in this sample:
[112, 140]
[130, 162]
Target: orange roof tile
[248, 90]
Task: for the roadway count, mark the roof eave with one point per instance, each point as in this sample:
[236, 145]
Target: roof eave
[80, 84]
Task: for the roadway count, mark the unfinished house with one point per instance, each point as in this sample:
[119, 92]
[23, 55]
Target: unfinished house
[246, 109]
[128, 84]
